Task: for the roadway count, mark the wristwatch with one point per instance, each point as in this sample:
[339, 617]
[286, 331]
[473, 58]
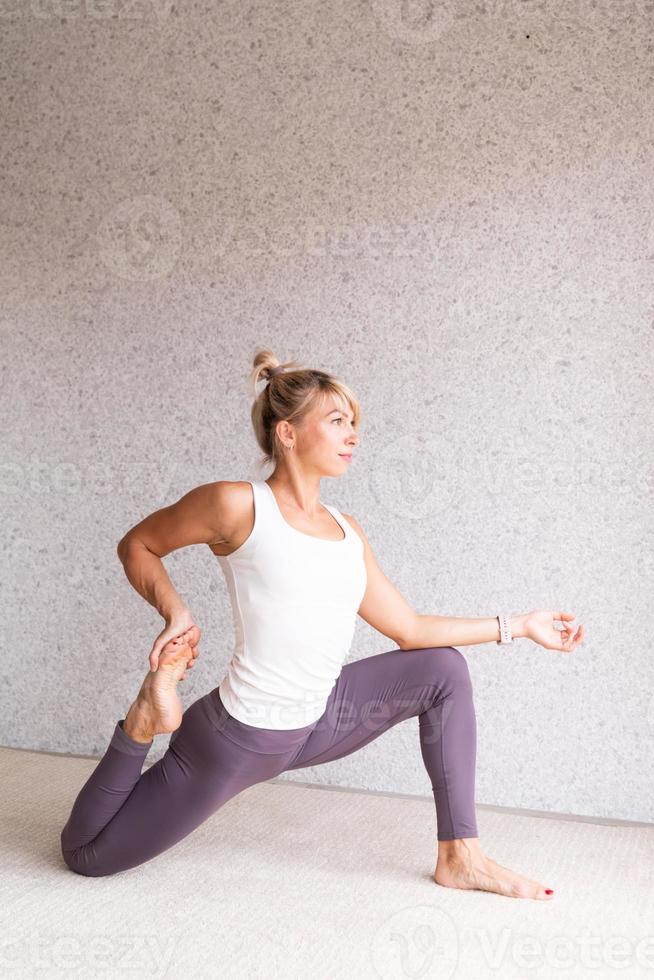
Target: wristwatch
[505, 631]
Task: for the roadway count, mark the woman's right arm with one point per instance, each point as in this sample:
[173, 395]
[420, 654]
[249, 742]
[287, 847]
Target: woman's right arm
[197, 518]
[147, 573]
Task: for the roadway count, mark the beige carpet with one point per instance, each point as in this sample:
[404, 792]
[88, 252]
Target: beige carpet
[288, 880]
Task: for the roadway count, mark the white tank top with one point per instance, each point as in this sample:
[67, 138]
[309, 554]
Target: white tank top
[294, 601]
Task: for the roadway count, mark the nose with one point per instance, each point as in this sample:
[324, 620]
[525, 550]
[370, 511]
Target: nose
[352, 438]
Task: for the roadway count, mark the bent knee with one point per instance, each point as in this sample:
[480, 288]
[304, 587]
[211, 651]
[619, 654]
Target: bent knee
[449, 664]
[83, 863]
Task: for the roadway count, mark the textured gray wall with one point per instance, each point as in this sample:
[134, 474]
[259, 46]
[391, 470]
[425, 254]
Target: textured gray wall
[452, 211]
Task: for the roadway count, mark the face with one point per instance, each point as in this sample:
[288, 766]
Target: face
[325, 438]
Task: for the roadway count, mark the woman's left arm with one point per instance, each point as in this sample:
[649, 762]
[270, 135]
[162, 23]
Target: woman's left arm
[454, 631]
[386, 610]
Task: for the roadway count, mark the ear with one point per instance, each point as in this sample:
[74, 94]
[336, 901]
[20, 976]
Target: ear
[284, 430]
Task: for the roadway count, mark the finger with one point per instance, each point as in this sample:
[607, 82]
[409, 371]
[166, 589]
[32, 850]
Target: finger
[572, 641]
[158, 647]
[562, 639]
[563, 617]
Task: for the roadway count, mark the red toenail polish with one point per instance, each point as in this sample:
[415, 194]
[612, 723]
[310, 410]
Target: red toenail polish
[549, 891]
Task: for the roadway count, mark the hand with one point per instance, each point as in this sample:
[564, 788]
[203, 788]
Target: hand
[178, 624]
[539, 627]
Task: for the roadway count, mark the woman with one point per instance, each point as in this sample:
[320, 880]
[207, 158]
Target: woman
[298, 572]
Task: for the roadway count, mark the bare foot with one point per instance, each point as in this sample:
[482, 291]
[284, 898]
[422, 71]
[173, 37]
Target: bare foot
[466, 866]
[158, 708]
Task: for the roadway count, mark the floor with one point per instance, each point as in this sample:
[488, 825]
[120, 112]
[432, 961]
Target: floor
[289, 880]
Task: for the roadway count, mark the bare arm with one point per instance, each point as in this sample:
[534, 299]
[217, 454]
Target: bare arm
[458, 631]
[196, 518]
[200, 516]
[147, 573]
[386, 610]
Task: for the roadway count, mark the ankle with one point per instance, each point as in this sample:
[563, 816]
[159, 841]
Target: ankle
[448, 849]
[134, 725]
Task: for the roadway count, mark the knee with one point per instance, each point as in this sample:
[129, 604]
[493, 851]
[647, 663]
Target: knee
[449, 667]
[87, 871]
[73, 862]
[81, 862]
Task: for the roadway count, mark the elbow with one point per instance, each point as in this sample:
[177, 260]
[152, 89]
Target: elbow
[127, 545]
[408, 639]
[121, 549]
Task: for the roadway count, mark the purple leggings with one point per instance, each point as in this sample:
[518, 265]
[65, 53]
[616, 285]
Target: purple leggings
[123, 817]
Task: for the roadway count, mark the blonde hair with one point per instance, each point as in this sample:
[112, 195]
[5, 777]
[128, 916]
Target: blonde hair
[290, 395]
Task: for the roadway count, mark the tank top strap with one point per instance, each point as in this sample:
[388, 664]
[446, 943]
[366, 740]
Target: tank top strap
[271, 514]
[336, 513]
[264, 498]
[265, 501]
[266, 513]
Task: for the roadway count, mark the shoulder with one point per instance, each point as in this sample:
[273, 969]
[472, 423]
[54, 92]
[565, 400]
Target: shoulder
[356, 526]
[234, 496]
[233, 502]
[232, 490]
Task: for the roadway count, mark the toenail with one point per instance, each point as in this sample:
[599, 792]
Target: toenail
[549, 891]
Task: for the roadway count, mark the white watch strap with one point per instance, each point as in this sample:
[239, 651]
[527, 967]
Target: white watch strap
[505, 630]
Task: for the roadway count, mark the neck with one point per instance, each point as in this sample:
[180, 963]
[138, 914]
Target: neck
[296, 490]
